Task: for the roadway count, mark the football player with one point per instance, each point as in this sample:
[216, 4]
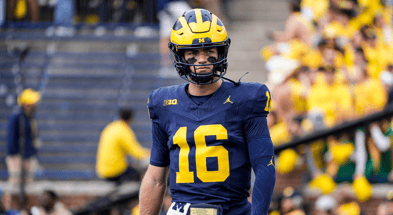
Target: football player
[208, 133]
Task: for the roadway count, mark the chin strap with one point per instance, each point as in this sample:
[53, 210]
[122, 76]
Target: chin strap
[234, 82]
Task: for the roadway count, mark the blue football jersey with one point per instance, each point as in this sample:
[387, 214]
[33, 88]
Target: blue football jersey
[205, 145]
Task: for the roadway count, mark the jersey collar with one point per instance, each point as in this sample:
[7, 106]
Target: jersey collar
[210, 103]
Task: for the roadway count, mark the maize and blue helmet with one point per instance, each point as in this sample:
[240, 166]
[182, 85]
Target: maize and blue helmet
[195, 29]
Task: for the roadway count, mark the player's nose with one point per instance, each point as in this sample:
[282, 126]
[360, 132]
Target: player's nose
[202, 58]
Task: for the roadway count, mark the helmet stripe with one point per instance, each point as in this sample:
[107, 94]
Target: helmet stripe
[177, 26]
[184, 23]
[198, 16]
[206, 15]
[190, 16]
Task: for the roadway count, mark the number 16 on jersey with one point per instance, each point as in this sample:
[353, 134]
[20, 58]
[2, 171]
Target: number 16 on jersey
[201, 153]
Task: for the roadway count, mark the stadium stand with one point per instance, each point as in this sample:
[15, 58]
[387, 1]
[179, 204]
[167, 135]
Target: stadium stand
[83, 83]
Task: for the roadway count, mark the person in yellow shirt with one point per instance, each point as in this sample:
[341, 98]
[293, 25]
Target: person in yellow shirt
[376, 54]
[382, 31]
[370, 95]
[315, 9]
[331, 98]
[116, 142]
[290, 96]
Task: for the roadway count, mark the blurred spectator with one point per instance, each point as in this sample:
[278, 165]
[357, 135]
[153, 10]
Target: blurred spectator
[387, 81]
[375, 53]
[330, 97]
[386, 207]
[347, 205]
[22, 133]
[18, 10]
[49, 204]
[3, 209]
[289, 47]
[296, 26]
[382, 30]
[116, 141]
[274, 208]
[325, 205]
[123, 11]
[292, 202]
[314, 10]
[290, 96]
[64, 12]
[168, 12]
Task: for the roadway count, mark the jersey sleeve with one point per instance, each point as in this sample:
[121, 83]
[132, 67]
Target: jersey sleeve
[261, 152]
[150, 108]
[261, 102]
[159, 152]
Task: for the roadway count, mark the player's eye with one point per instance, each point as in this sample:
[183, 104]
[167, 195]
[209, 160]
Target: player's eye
[189, 53]
[210, 52]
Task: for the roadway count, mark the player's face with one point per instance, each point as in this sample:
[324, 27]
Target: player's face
[200, 57]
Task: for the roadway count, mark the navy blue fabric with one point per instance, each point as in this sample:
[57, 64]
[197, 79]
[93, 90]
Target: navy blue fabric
[261, 152]
[13, 136]
[161, 153]
[162, 3]
[240, 113]
[199, 100]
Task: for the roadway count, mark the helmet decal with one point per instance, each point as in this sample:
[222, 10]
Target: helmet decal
[201, 40]
[177, 26]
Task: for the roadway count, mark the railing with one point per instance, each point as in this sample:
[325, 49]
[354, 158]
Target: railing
[339, 129]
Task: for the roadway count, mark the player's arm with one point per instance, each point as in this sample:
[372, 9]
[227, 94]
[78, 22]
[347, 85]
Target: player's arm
[261, 152]
[152, 190]
[154, 183]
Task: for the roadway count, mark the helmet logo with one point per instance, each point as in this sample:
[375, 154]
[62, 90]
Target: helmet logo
[201, 40]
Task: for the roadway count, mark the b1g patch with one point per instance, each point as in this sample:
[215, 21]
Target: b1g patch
[170, 102]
